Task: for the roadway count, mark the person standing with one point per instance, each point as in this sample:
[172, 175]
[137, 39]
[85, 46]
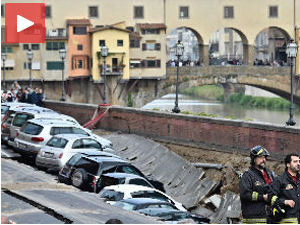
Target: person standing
[254, 185]
[284, 194]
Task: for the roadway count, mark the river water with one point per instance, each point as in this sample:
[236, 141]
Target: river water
[194, 105]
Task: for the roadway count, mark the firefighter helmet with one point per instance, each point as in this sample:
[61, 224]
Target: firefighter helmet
[258, 151]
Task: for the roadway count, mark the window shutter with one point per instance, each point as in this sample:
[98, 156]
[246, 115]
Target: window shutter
[143, 63]
[144, 47]
[157, 46]
[158, 63]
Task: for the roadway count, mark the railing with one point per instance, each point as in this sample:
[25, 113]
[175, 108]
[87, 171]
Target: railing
[114, 70]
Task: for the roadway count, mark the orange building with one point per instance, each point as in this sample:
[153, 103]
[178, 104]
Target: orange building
[79, 47]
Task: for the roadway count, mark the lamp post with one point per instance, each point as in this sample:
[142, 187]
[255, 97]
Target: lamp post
[62, 55]
[178, 52]
[291, 51]
[104, 53]
[3, 55]
[30, 56]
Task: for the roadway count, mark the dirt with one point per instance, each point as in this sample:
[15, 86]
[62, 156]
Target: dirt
[233, 162]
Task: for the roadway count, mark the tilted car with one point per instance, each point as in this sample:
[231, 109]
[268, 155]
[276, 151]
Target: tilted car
[109, 179]
[143, 203]
[136, 191]
[173, 216]
[5, 106]
[60, 148]
[35, 133]
[84, 170]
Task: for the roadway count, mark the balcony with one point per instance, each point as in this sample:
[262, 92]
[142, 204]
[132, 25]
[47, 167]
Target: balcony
[112, 71]
[56, 34]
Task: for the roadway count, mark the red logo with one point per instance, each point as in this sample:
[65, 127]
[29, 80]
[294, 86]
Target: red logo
[24, 22]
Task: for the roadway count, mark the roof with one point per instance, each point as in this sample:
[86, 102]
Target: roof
[135, 35]
[122, 175]
[47, 121]
[71, 136]
[108, 27]
[95, 153]
[151, 26]
[142, 201]
[78, 22]
[129, 188]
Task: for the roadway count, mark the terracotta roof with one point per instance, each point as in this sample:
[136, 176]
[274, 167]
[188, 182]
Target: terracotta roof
[107, 28]
[135, 35]
[151, 26]
[78, 22]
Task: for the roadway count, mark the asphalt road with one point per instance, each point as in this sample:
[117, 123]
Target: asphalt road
[31, 196]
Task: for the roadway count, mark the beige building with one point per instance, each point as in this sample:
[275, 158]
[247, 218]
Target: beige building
[204, 18]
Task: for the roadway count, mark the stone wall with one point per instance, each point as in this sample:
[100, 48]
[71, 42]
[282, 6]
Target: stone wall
[208, 133]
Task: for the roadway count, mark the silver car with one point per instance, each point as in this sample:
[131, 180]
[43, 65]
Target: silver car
[10, 105]
[60, 148]
[35, 133]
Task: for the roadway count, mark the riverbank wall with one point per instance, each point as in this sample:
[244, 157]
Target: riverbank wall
[195, 131]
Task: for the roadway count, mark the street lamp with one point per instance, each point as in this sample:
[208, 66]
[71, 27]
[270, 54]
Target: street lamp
[104, 53]
[291, 51]
[3, 55]
[62, 55]
[178, 52]
[30, 56]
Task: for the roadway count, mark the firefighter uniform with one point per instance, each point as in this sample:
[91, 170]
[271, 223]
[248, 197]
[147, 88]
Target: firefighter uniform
[252, 189]
[285, 188]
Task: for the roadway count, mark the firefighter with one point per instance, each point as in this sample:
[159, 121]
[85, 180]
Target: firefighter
[254, 185]
[284, 194]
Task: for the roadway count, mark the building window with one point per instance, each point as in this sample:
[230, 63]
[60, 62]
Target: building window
[47, 11]
[130, 28]
[134, 43]
[2, 10]
[150, 31]
[35, 46]
[55, 45]
[6, 49]
[228, 12]
[151, 46]
[120, 43]
[151, 63]
[138, 12]
[25, 46]
[183, 12]
[93, 11]
[79, 30]
[79, 47]
[27, 65]
[101, 42]
[273, 11]
[54, 65]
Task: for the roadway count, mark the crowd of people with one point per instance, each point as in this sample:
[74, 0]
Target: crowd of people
[26, 95]
[276, 63]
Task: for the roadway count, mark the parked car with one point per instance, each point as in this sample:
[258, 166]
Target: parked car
[143, 203]
[9, 105]
[60, 148]
[83, 170]
[35, 133]
[136, 191]
[109, 179]
[25, 114]
[173, 216]
[7, 119]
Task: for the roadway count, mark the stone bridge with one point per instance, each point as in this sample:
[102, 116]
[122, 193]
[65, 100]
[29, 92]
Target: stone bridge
[273, 79]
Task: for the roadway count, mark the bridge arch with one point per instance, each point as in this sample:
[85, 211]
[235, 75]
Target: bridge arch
[194, 52]
[228, 45]
[270, 46]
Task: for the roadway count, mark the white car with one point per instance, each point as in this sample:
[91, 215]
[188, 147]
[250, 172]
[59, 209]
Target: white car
[60, 148]
[125, 191]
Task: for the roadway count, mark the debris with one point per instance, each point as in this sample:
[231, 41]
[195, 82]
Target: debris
[213, 202]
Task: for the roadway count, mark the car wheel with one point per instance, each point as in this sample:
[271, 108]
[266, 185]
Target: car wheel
[79, 178]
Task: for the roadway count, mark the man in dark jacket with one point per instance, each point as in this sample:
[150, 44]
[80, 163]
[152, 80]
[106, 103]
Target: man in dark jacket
[254, 185]
[284, 194]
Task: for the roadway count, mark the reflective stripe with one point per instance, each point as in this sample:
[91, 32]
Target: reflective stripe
[273, 199]
[256, 220]
[260, 151]
[289, 220]
[254, 196]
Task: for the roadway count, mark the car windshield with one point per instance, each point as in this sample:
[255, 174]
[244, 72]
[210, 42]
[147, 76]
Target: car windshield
[111, 195]
[125, 205]
[31, 128]
[57, 142]
[149, 194]
[21, 118]
[138, 181]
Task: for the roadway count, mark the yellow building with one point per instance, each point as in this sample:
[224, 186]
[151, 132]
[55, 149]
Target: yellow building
[116, 38]
[298, 55]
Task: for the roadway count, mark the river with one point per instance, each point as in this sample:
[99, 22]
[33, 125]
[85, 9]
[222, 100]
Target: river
[194, 105]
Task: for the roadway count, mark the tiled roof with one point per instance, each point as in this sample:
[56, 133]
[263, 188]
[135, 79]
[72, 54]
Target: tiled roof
[151, 26]
[78, 22]
[107, 28]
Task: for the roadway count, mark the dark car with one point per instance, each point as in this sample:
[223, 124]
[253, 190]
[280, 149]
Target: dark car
[165, 214]
[143, 203]
[83, 170]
